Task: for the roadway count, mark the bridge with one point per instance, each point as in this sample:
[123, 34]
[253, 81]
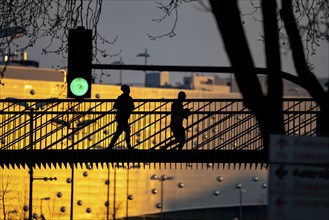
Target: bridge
[62, 132]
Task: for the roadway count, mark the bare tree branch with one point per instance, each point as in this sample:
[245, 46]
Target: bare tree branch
[312, 20]
[50, 20]
[168, 10]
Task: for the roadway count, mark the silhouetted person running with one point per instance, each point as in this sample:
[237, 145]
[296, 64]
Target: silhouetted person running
[178, 114]
[124, 106]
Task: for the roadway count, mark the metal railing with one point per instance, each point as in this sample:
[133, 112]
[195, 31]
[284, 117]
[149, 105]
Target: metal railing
[214, 124]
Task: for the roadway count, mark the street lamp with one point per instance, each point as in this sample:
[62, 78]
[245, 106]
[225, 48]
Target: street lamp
[161, 179]
[119, 62]
[241, 190]
[43, 199]
[145, 55]
[31, 187]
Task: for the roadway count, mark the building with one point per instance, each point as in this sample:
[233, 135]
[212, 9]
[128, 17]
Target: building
[157, 80]
[16, 60]
[205, 83]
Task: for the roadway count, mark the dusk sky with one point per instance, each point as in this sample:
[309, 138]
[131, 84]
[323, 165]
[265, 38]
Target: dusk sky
[197, 40]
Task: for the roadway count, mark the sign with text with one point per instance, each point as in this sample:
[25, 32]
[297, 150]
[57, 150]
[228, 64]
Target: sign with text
[300, 150]
[299, 178]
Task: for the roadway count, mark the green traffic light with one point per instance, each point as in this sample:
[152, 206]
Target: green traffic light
[79, 86]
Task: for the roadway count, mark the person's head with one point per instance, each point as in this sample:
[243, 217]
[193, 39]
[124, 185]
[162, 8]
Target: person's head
[125, 88]
[181, 95]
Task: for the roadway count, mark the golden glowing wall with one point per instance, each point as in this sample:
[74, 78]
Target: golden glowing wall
[191, 187]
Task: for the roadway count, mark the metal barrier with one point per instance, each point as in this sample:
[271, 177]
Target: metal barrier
[214, 124]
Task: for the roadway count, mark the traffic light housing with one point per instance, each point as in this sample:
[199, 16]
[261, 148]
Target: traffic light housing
[79, 78]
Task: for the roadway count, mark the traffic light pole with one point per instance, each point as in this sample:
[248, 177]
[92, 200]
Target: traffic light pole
[79, 78]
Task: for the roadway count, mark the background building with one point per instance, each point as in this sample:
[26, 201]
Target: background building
[157, 79]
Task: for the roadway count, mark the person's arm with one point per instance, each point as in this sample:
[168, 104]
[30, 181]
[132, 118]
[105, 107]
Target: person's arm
[117, 103]
[132, 105]
[186, 113]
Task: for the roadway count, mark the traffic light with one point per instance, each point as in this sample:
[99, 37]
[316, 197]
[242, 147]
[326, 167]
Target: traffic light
[79, 77]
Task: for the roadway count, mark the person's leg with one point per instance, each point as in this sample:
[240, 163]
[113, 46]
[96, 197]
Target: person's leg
[172, 142]
[181, 138]
[126, 128]
[115, 136]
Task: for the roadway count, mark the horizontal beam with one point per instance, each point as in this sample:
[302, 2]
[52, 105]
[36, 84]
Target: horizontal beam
[200, 69]
[66, 157]
[208, 69]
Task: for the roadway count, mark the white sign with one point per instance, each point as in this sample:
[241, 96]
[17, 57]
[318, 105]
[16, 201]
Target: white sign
[300, 150]
[297, 189]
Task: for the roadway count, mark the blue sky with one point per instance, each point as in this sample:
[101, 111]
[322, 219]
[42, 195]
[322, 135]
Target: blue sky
[197, 40]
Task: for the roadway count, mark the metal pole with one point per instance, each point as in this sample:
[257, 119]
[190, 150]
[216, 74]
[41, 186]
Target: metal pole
[120, 76]
[146, 55]
[41, 208]
[127, 192]
[31, 169]
[72, 179]
[240, 211]
[114, 192]
[162, 180]
[231, 82]
[72, 191]
[121, 71]
[108, 192]
[31, 190]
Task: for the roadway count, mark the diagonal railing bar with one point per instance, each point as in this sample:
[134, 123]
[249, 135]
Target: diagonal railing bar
[76, 116]
[296, 127]
[222, 133]
[67, 136]
[14, 103]
[8, 120]
[24, 124]
[292, 115]
[235, 141]
[209, 115]
[215, 125]
[100, 117]
[165, 114]
[152, 123]
[144, 128]
[16, 128]
[67, 124]
[162, 143]
[106, 125]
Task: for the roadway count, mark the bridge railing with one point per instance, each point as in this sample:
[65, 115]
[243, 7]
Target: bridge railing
[214, 124]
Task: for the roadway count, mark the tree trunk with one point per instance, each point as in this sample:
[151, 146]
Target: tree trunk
[273, 62]
[311, 84]
[230, 25]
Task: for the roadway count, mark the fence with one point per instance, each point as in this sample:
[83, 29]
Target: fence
[214, 124]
